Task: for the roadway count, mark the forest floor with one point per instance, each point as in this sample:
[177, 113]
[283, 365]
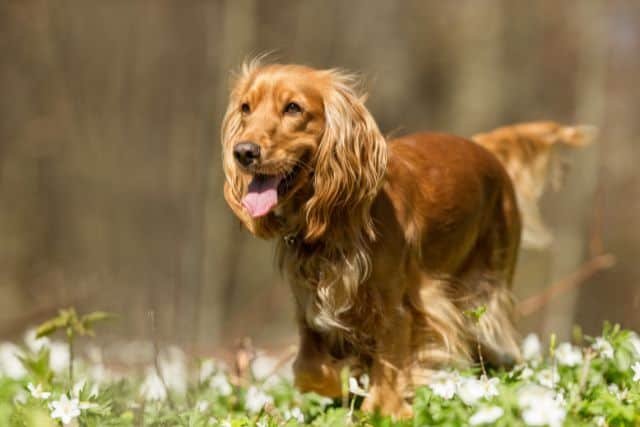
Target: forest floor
[593, 381]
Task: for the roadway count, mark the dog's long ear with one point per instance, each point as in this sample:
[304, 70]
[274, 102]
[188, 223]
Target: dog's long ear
[231, 126]
[349, 166]
[235, 185]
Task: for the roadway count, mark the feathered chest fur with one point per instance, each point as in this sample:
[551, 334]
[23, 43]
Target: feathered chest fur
[331, 293]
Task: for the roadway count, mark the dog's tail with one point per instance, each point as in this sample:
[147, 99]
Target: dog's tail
[530, 152]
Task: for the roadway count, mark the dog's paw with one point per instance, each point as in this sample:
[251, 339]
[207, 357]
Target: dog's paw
[389, 404]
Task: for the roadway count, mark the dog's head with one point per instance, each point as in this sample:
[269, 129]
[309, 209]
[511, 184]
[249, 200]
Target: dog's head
[300, 148]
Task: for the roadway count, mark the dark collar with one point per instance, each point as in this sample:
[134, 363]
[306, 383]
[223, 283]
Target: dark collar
[290, 239]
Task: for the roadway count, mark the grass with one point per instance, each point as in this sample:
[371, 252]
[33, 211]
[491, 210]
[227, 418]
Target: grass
[592, 382]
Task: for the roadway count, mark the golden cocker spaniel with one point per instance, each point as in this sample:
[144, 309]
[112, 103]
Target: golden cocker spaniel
[386, 244]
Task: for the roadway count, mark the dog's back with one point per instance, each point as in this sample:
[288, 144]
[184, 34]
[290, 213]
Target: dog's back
[448, 184]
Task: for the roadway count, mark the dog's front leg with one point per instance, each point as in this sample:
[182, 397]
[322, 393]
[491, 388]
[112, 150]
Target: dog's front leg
[314, 368]
[389, 375]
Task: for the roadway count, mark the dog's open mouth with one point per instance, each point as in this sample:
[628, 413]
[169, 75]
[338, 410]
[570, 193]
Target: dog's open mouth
[264, 191]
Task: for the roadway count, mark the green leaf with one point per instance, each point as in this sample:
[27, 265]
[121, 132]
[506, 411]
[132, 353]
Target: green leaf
[50, 326]
[476, 313]
[38, 366]
[87, 322]
[97, 316]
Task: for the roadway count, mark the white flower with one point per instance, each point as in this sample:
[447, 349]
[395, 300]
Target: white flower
[220, 384]
[95, 390]
[552, 416]
[540, 406]
[526, 373]
[522, 372]
[65, 409]
[619, 394]
[272, 382]
[486, 415]
[207, 369]
[94, 353]
[173, 367]
[324, 401]
[470, 390]
[531, 347]
[153, 388]
[603, 347]
[529, 394]
[568, 355]
[10, 364]
[634, 339]
[256, 399]
[35, 344]
[636, 371]
[444, 384]
[295, 414]
[37, 392]
[77, 388]
[20, 398]
[262, 423]
[202, 406]
[364, 380]
[548, 377]
[600, 421]
[58, 356]
[99, 373]
[212, 373]
[355, 388]
[263, 366]
[96, 370]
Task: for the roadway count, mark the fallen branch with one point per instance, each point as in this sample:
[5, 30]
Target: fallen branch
[291, 352]
[574, 280]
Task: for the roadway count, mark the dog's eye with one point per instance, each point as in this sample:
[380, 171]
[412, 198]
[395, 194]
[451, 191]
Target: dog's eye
[245, 108]
[292, 108]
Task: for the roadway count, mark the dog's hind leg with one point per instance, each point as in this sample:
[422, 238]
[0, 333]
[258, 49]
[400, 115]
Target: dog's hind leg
[494, 330]
[487, 283]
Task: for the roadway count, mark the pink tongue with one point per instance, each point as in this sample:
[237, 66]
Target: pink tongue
[262, 195]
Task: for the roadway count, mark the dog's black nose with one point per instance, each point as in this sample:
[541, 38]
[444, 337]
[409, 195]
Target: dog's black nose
[246, 153]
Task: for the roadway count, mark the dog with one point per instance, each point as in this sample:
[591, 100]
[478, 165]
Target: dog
[386, 244]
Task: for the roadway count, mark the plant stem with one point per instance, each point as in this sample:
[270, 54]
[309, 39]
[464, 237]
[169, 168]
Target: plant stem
[554, 364]
[344, 381]
[70, 341]
[156, 359]
[584, 375]
[351, 409]
[484, 370]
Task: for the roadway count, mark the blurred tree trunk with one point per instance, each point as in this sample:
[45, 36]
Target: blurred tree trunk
[222, 237]
[572, 226]
[479, 80]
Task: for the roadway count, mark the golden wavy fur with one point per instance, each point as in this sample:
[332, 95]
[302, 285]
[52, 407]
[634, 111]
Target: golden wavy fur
[385, 243]
[530, 153]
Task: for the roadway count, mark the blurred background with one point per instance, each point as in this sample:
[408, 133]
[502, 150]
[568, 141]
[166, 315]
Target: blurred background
[110, 169]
